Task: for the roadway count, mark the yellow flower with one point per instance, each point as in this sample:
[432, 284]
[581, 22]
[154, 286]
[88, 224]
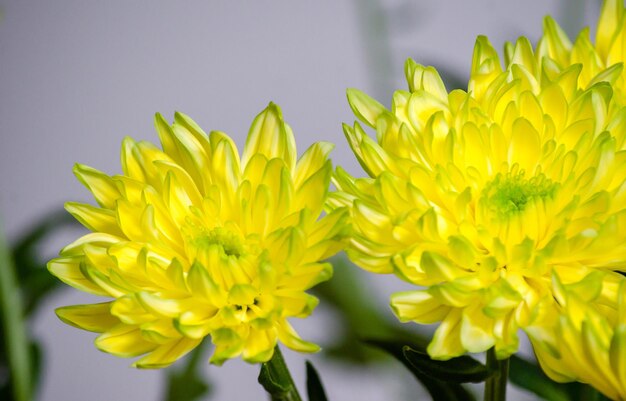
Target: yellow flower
[586, 342]
[600, 60]
[479, 197]
[192, 241]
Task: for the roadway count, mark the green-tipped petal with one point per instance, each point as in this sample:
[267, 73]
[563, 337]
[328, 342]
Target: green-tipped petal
[92, 317]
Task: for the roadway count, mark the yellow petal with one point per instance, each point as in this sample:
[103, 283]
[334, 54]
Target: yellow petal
[92, 317]
[364, 107]
[101, 185]
[418, 306]
[259, 346]
[125, 341]
[426, 79]
[476, 330]
[167, 354]
[271, 137]
[68, 270]
[313, 159]
[291, 339]
[525, 146]
[610, 17]
[95, 219]
[446, 342]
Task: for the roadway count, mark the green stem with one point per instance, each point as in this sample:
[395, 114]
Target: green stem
[495, 386]
[276, 379]
[16, 342]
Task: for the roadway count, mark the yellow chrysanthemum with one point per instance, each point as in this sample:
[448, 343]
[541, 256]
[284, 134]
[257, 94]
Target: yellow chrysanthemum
[191, 241]
[481, 196]
[604, 58]
[586, 341]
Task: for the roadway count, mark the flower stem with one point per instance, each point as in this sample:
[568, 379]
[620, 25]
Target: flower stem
[16, 342]
[276, 379]
[495, 386]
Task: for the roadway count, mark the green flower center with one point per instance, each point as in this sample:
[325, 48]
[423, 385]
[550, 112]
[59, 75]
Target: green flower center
[230, 243]
[508, 194]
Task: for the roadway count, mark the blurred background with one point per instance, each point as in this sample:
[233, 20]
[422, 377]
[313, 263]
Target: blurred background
[77, 76]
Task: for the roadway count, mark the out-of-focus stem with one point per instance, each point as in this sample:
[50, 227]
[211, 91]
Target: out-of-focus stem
[16, 343]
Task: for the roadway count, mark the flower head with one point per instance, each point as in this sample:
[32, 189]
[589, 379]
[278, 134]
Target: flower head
[480, 197]
[192, 241]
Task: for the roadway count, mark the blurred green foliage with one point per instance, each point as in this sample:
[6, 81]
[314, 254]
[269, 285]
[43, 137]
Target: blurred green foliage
[24, 271]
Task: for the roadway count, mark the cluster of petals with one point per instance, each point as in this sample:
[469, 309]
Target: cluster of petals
[584, 339]
[489, 198]
[192, 241]
[596, 60]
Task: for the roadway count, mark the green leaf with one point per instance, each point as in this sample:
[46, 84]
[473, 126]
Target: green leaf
[463, 369]
[529, 376]
[32, 283]
[314, 387]
[439, 390]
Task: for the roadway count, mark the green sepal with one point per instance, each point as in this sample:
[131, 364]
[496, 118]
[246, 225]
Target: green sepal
[439, 390]
[267, 379]
[275, 378]
[314, 387]
[462, 369]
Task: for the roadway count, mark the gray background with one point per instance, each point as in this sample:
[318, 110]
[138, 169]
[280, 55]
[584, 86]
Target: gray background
[78, 76]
